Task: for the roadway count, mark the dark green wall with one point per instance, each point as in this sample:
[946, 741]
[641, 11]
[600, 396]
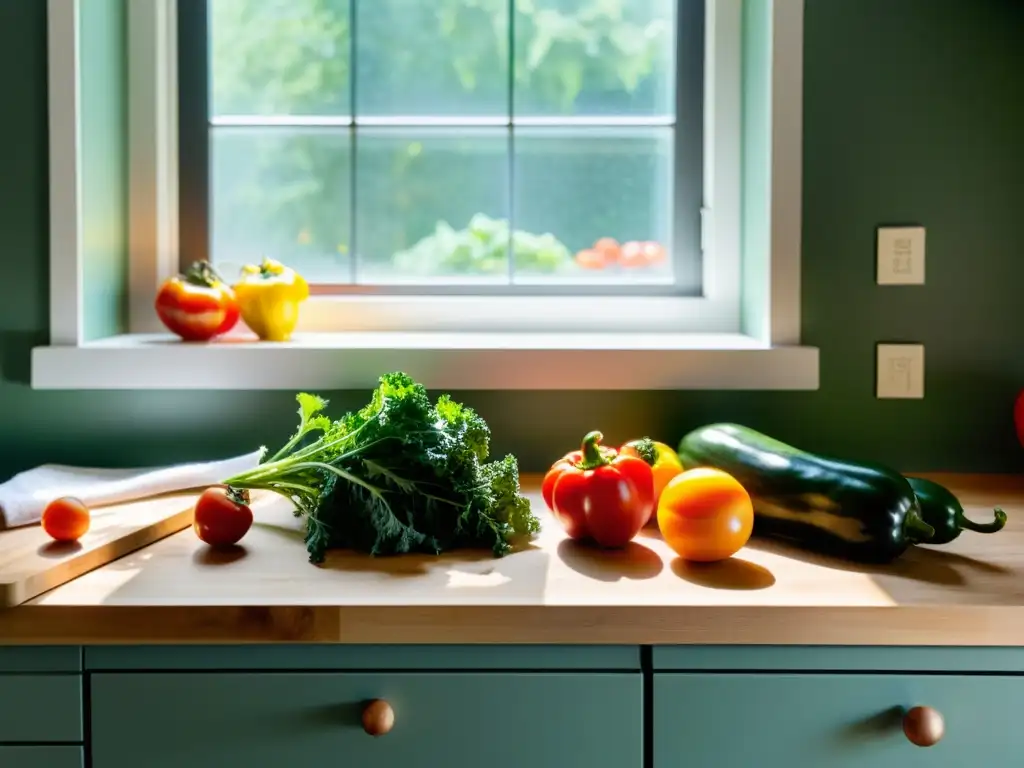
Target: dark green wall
[914, 113]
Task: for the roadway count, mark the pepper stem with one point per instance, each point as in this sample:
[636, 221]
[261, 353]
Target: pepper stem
[916, 529]
[591, 450]
[966, 524]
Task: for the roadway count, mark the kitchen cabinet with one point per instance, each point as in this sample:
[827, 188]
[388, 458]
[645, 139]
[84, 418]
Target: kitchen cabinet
[513, 706]
[838, 720]
[40, 708]
[454, 719]
[42, 757]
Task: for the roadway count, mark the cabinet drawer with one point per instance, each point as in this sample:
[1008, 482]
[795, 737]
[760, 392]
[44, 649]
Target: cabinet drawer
[42, 757]
[842, 721]
[40, 708]
[456, 720]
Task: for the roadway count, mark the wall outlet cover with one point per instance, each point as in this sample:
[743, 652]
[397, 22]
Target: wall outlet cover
[900, 371]
[900, 255]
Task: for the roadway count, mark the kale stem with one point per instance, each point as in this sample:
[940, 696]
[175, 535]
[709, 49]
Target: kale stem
[340, 473]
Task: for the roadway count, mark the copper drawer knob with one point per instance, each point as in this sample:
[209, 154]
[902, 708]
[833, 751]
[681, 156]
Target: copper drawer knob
[378, 717]
[924, 726]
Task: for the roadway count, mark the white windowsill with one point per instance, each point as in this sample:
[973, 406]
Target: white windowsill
[442, 361]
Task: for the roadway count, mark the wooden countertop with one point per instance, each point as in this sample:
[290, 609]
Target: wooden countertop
[970, 592]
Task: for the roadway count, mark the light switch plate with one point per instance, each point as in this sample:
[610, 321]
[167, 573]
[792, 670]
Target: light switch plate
[901, 255]
[900, 371]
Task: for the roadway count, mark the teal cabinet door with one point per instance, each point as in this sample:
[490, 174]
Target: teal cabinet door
[40, 708]
[42, 757]
[454, 720]
[839, 721]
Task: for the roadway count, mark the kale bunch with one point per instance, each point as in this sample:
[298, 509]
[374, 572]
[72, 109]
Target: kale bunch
[402, 474]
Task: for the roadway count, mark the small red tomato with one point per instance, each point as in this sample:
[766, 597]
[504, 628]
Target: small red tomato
[653, 253]
[632, 255]
[609, 248]
[66, 519]
[589, 258]
[197, 305]
[222, 516]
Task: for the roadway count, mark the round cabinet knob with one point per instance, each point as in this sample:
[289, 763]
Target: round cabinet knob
[924, 726]
[378, 717]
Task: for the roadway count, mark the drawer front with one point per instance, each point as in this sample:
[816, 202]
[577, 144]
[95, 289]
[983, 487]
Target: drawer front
[42, 757]
[842, 721]
[40, 708]
[460, 720]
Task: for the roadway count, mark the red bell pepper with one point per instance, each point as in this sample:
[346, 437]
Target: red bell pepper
[597, 493]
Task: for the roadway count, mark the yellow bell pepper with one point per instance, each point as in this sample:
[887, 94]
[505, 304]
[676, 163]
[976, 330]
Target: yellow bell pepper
[269, 295]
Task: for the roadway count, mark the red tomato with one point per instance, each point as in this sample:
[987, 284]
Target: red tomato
[222, 516]
[197, 305]
[66, 519]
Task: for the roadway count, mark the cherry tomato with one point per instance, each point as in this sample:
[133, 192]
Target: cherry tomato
[222, 516]
[589, 258]
[609, 248]
[632, 255]
[705, 515]
[66, 519]
[197, 305]
[654, 253]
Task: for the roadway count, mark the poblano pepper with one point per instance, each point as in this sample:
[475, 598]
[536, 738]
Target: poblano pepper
[943, 512]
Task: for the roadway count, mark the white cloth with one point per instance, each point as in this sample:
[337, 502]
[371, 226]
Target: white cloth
[24, 497]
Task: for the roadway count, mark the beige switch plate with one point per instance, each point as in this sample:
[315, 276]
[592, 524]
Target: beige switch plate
[900, 371]
[901, 255]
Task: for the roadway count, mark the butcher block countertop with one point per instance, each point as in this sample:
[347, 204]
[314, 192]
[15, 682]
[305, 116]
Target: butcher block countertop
[551, 591]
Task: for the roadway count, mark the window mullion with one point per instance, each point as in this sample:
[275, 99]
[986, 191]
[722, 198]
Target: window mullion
[511, 139]
[353, 143]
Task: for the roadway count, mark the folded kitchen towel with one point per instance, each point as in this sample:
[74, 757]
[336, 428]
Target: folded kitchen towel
[24, 496]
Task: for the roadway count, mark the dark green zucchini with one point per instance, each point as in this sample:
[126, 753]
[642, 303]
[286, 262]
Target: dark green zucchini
[862, 512]
[943, 512]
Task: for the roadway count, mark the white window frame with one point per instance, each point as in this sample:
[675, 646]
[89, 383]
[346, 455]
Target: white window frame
[451, 342]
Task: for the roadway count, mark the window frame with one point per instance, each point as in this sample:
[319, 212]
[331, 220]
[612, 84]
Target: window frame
[720, 340]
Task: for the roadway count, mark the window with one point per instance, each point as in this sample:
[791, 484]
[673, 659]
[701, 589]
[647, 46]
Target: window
[487, 193]
[493, 147]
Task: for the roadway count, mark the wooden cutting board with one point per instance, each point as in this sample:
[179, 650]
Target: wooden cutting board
[32, 563]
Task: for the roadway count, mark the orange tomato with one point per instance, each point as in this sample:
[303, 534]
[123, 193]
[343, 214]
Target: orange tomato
[705, 515]
[66, 519]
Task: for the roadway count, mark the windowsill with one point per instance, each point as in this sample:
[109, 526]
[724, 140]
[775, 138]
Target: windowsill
[442, 361]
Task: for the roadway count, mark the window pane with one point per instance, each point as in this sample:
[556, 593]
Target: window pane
[279, 57]
[437, 57]
[282, 193]
[595, 57]
[432, 204]
[606, 193]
